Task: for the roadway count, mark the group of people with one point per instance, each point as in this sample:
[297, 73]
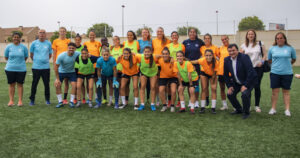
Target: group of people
[158, 69]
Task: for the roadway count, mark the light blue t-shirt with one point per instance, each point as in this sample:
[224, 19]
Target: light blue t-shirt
[16, 55]
[41, 52]
[143, 44]
[281, 59]
[66, 62]
[106, 66]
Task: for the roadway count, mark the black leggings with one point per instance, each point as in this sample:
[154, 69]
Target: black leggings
[260, 74]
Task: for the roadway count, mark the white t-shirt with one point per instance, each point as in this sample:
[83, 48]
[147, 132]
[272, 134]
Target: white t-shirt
[253, 52]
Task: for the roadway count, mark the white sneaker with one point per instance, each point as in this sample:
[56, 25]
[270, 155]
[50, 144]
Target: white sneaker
[122, 107]
[257, 109]
[287, 113]
[272, 111]
[90, 104]
[224, 108]
[172, 109]
[135, 107]
[164, 108]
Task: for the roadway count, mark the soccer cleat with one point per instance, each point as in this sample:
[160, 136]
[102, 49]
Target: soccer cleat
[153, 108]
[59, 105]
[31, 103]
[142, 107]
[213, 110]
[104, 101]
[257, 109]
[116, 106]
[78, 104]
[192, 111]
[97, 106]
[164, 108]
[90, 104]
[48, 102]
[71, 105]
[202, 110]
[224, 108]
[181, 110]
[272, 111]
[169, 103]
[83, 101]
[287, 113]
[172, 109]
[75, 101]
[135, 107]
[178, 104]
[123, 106]
[65, 101]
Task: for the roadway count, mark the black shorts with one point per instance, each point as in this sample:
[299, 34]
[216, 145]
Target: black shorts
[204, 74]
[197, 68]
[72, 77]
[167, 81]
[128, 77]
[119, 75]
[85, 76]
[221, 78]
[194, 84]
[281, 81]
[14, 76]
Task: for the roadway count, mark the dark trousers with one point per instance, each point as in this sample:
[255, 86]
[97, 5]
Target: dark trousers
[246, 99]
[37, 74]
[260, 74]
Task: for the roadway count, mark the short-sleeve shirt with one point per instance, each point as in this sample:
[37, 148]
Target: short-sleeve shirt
[208, 67]
[192, 48]
[66, 63]
[281, 59]
[147, 61]
[16, 55]
[126, 66]
[214, 48]
[60, 46]
[106, 66]
[223, 54]
[166, 70]
[41, 52]
[253, 52]
[143, 44]
[93, 47]
[158, 46]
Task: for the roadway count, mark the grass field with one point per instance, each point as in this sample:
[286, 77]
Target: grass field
[44, 131]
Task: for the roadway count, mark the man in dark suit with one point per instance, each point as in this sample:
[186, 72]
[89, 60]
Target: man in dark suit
[239, 76]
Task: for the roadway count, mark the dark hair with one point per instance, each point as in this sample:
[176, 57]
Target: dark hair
[72, 44]
[213, 59]
[151, 57]
[190, 29]
[121, 45]
[233, 45]
[130, 56]
[164, 39]
[247, 40]
[16, 33]
[134, 35]
[209, 37]
[84, 49]
[283, 35]
[174, 32]
[179, 52]
[78, 36]
[167, 49]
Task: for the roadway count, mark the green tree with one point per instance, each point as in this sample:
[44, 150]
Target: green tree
[56, 34]
[251, 22]
[183, 30]
[9, 39]
[139, 31]
[100, 30]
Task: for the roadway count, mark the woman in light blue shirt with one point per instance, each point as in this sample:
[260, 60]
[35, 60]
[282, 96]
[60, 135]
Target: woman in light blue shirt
[16, 55]
[281, 55]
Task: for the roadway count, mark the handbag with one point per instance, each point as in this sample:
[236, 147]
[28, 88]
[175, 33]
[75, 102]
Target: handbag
[266, 66]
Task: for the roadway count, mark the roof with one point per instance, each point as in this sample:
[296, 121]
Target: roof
[24, 30]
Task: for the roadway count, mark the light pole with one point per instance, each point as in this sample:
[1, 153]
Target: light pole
[123, 6]
[217, 22]
[58, 22]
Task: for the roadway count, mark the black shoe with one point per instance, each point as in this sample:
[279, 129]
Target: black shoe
[213, 111]
[245, 116]
[236, 112]
[181, 110]
[202, 110]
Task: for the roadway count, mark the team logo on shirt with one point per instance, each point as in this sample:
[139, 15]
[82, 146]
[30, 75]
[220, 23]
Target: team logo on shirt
[20, 49]
[285, 51]
[196, 45]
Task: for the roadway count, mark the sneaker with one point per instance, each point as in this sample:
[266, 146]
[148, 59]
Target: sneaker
[153, 108]
[48, 102]
[31, 103]
[142, 107]
[272, 111]
[97, 106]
[287, 113]
[71, 105]
[83, 101]
[78, 105]
[75, 101]
[123, 106]
[169, 104]
[202, 110]
[213, 110]
[178, 104]
[224, 108]
[59, 105]
[257, 109]
[181, 110]
[172, 109]
[192, 111]
[65, 101]
[164, 108]
[104, 101]
[90, 104]
[116, 106]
